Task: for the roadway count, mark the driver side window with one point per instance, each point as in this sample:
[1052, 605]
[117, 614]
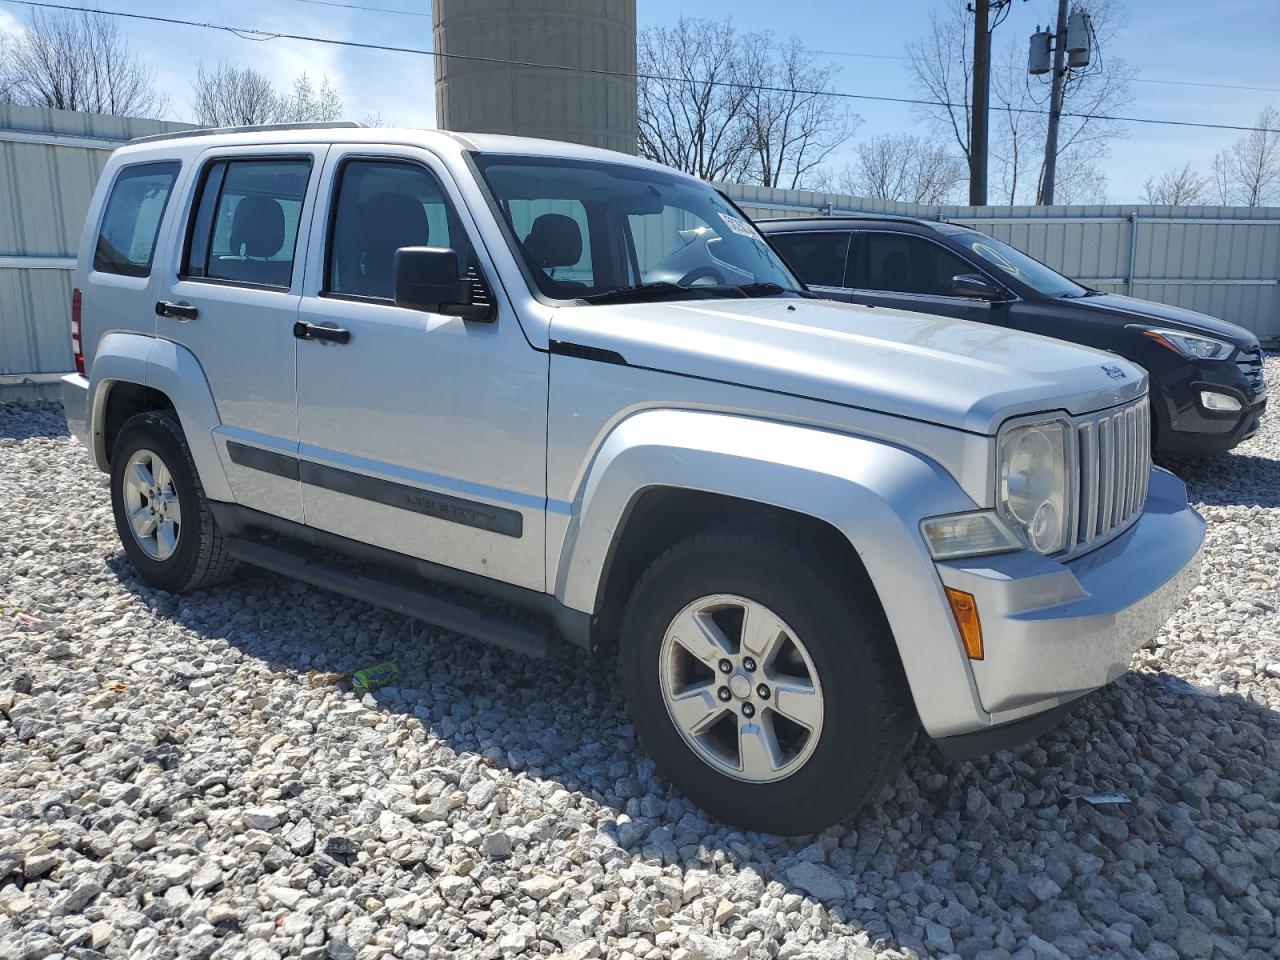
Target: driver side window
[899, 263]
[380, 206]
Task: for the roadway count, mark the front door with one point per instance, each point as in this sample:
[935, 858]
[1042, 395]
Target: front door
[419, 432]
[234, 303]
[913, 273]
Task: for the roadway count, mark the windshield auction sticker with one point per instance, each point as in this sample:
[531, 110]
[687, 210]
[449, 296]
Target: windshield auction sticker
[740, 227]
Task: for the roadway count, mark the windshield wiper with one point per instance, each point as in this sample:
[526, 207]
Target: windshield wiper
[768, 288]
[657, 290]
[665, 289]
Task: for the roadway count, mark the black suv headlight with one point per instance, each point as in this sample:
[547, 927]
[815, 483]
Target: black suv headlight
[1192, 346]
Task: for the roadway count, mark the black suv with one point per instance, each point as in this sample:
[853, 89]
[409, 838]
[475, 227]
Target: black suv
[1207, 389]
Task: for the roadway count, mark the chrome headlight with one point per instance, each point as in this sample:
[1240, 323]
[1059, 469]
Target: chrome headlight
[1034, 487]
[1193, 346]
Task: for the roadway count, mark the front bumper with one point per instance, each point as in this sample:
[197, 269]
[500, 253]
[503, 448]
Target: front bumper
[1185, 428]
[1054, 631]
[75, 403]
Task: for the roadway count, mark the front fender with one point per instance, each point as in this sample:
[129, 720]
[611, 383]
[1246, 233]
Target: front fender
[173, 370]
[874, 493]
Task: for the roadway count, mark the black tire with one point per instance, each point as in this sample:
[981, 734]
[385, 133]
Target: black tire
[867, 723]
[200, 558]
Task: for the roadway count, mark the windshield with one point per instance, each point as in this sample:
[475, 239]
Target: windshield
[1016, 264]
[587, 230]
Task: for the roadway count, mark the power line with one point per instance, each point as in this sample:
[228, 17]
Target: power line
[826, 53]
[356, 6]
[764, 88]
[902, 57]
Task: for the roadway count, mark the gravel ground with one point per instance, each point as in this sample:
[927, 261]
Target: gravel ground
[185, 777]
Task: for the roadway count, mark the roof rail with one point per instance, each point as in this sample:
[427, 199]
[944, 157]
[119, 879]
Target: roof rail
[258, 128]
[852, 215]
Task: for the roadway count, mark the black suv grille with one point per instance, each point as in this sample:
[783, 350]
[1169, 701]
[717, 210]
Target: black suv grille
[1250, 364]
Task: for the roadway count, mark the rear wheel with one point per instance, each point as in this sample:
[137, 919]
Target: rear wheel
[162, 517]
[765, 689]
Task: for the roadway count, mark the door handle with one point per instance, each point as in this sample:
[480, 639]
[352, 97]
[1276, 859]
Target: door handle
[315, 331]
[183, 311]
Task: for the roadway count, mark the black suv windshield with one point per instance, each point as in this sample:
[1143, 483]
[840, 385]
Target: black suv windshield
[1016, 264]
[603, 232]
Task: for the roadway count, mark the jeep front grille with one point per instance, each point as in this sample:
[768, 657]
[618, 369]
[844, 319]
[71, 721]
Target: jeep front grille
[1249, 363]
[1115, 462]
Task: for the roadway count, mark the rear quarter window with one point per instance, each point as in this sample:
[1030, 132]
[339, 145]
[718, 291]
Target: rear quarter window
[131, 221]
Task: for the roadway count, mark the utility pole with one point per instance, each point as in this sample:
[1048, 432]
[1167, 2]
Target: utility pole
[981, 102]
[1055, 106]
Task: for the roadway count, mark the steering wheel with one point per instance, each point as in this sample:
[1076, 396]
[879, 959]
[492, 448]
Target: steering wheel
[703, 272]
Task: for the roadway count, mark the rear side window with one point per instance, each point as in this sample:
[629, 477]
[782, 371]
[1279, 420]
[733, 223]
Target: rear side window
[818, 257]
[131, 222]
[245, 227]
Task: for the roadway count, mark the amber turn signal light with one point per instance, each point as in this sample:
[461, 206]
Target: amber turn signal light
[965, 609]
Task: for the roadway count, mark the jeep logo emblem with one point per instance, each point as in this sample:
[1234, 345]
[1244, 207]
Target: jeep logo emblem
[1112, 371]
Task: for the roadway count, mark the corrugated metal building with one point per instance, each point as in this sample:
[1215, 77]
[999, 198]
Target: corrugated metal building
[49, 165]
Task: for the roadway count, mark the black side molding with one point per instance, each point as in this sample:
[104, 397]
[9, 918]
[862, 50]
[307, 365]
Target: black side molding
[443, 506]
[268, 461]
[584, 352]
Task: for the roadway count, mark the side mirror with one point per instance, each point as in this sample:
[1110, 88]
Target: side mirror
[975, 286]
[426, 278]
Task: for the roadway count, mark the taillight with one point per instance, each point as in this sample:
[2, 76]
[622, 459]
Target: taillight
[76, 346]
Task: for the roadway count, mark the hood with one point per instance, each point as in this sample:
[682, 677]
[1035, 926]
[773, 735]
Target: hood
[971, 376]
[1131, 309]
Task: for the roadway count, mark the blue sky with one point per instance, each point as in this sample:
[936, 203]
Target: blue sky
[1223, 42]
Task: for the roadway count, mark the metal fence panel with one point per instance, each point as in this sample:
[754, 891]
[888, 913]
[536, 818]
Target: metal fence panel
[49, 165]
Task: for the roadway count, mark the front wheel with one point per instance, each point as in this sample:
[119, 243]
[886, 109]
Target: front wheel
[765, 688]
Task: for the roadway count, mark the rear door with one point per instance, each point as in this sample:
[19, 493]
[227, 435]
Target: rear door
[911, 272]
[233, 304]
[819, 257]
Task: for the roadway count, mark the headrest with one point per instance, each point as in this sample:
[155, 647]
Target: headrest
[396, 220]
[554, 241]
[257, 227]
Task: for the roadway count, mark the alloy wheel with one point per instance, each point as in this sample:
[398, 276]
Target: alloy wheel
[741, 688]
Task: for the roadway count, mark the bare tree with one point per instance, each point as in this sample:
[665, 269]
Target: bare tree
[724, 106]
[229, 96]
[78, 61]
[1176, 187]
[308, 104]
[793, 121]
[1079, 179]
[7, 79]
[690, 104]
[901, 167]
[1248, 172]
[942, 62]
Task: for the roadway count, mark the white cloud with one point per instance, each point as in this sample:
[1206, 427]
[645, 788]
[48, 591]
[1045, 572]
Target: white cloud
[9, 23]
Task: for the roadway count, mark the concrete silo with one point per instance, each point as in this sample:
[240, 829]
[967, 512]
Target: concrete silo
[483, 96]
